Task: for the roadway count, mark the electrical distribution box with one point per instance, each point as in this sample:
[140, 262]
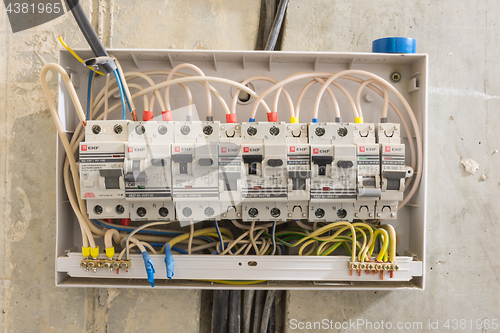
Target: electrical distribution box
[260, 171]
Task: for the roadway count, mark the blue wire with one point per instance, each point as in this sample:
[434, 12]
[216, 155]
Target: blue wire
[144, 231]
[282, 248]
[126, 96]
[175, 248]
[220, 236]
[126, 240]
[91, 75]
[122, 93]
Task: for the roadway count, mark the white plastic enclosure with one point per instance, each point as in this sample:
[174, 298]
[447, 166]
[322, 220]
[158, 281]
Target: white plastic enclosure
[280, 272]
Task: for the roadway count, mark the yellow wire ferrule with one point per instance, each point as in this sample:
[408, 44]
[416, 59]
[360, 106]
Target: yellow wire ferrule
[110, 252]
[94, 253]
[358, 120]
[86, 252]
[294, 120]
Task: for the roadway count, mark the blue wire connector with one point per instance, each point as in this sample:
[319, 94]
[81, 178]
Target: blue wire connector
[169, 261]
[150, 270]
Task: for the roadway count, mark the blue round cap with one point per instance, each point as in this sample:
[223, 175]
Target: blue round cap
[394, 45]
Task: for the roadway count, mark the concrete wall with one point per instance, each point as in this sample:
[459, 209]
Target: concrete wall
[462, 271]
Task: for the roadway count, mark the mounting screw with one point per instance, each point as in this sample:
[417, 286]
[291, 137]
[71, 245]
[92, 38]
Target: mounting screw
[96, 129]
[140, 130]
[342, 131]
[120, 209]
[208, 130]
[123, 265]
[253, 212]
[251, 131]
[141, 211]
[118, 129]
[341, 213]
[98, 210]
[187, 212]
[185, 130]
[395, 77]
[163, 211]
[274, 131]
[116, 265]
[162, 129]
[209, 211]
[320, 131]
[275, 212]
[320, 213]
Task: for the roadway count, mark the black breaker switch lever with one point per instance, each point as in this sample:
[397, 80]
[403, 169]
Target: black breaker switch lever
[322, 162]
[183, 160]
[252, 161]
[111, 178]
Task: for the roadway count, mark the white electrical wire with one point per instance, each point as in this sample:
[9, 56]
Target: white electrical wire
[197, 70]
[276, 97]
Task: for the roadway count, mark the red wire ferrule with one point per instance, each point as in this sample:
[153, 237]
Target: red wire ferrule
[231, 118]
[166, 115]
[272, 117]
[147, 115]
[125, 222]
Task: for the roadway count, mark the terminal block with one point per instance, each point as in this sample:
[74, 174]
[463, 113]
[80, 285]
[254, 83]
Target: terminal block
[341, 133]
[107, 130]
[111, 264]
[196, 131]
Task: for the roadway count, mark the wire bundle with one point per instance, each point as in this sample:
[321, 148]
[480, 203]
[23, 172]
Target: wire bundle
[357, 239]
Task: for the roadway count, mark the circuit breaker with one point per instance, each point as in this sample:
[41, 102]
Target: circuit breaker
[393, 171]
[264, 191]
[101, 164]
[368, 180]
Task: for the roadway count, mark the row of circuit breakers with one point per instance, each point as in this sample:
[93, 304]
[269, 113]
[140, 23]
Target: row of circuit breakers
[261, 171]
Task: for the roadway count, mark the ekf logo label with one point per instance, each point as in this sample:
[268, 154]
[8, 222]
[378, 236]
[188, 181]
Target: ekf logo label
[177, 149]
[223, 150]
[84, 147]
[361, 149]
[387, 149]
[246, 149]
[292, 149]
